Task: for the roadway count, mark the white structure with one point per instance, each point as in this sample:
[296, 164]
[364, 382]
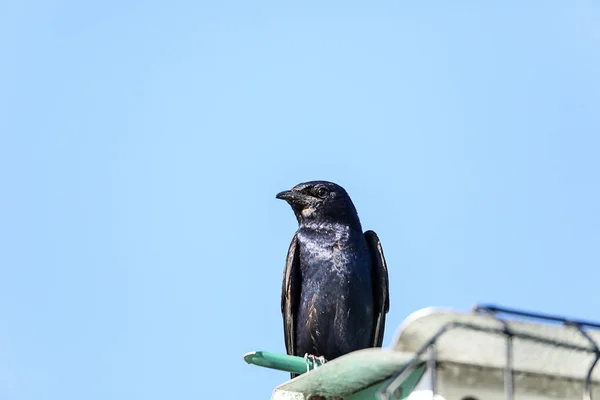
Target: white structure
[464, 356]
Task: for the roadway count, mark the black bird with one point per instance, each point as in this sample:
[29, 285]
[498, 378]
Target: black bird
[335, 287]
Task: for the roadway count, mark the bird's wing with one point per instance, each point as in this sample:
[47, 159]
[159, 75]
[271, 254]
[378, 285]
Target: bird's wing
[290, 294]
[381, 294]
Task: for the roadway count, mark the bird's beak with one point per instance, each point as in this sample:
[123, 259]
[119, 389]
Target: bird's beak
[293, 197]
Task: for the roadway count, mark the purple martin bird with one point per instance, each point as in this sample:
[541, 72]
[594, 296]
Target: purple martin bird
[335, 287]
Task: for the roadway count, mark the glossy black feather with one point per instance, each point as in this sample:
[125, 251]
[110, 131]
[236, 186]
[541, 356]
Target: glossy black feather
[379, 274]
[290, 294]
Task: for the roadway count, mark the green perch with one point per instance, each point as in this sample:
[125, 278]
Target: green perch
[282, 362]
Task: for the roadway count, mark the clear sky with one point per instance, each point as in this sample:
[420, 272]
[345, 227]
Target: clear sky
[142, 144]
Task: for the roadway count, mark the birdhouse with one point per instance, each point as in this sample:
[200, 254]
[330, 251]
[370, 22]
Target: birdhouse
[491, 353]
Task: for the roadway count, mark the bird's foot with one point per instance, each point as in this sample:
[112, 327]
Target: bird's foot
[316, 361]
[306, 357]
[322, 360]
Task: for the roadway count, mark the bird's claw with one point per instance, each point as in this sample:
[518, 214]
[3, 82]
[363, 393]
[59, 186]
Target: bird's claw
[316, 361]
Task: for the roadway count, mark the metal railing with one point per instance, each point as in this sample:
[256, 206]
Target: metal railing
[385, 392]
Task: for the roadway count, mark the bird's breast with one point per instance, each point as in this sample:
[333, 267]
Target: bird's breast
[338, 251]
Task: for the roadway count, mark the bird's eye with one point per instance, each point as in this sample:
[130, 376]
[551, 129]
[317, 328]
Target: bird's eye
[322, 192]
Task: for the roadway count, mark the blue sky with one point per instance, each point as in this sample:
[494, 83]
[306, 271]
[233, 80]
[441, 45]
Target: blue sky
[142, 145]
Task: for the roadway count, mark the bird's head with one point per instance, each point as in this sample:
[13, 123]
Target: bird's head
[321, 201]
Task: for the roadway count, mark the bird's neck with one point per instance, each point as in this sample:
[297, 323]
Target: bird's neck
[329, 226]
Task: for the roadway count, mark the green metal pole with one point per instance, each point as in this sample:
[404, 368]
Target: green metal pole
[281, 362]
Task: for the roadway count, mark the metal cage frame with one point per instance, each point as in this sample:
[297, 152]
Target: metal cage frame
[430, 346]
